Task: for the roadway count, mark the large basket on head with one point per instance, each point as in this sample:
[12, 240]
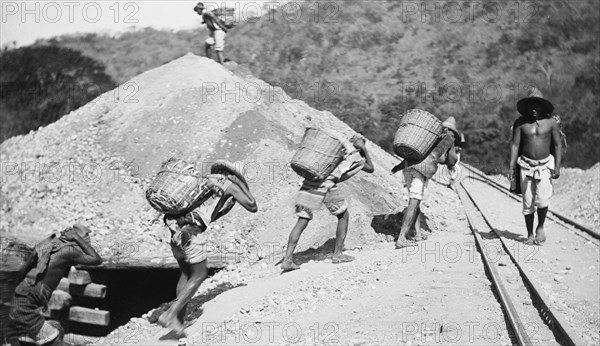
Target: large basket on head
[178, 188]
[418, 132]
[318, 155]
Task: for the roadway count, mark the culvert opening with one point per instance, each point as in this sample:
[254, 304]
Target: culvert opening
[130, 292]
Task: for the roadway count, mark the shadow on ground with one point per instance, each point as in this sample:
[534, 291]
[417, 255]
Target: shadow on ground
[390, 225]
[194, 307]
[511, 235]
[319, 254]
[503, 234]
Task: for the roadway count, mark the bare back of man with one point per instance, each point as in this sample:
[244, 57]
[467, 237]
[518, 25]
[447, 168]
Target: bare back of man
[79, 251]
[73, 247]
[61, 262]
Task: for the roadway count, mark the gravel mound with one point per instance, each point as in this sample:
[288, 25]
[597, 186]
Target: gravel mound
[94, 164]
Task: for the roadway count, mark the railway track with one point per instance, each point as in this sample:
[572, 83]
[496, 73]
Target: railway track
[567, 221]
[532, 316]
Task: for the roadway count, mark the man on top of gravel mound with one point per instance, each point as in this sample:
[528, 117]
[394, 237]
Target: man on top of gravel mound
[218, 30]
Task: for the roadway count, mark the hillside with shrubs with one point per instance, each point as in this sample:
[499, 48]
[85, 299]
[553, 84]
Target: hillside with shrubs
[369, 61]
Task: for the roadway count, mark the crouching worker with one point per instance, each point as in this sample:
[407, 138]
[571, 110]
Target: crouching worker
[188, 242]
[314, 193]
[55, 255]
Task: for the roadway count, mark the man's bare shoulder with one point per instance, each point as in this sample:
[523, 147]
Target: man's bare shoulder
[520, 122]
[548, 123]
[69, 250]
[64, 256]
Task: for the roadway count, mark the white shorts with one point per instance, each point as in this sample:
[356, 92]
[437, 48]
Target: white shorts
[334, 200]
[536, 193]
[216, 38]
[415, 182]
[188, 244]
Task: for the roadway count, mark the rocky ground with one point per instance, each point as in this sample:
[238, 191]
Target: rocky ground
[565, 267]
[94, 164]
[576, 194]
[412, 296]
[436, 293]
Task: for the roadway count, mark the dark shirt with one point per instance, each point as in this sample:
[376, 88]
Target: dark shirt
[429, 165]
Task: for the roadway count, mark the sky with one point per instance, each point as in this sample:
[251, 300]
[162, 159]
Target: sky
[24, 21]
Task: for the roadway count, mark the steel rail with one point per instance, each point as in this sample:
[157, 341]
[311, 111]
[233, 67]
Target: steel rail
[556, 323]
[558, 215]
[513, 317]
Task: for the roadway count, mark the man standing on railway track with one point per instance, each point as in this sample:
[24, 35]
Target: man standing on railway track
[536, 136]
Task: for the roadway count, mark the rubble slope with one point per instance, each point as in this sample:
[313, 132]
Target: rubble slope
[93, 164]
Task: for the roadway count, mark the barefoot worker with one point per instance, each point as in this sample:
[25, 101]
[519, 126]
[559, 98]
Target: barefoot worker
[218, 30]
[314, 193]
[535, 136]
[416, 177]
[188, 242]
[55, 255]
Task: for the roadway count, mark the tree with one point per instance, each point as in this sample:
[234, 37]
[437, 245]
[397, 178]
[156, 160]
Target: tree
[39, 84]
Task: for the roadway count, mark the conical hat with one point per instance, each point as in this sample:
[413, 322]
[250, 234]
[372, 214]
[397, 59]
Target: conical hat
[82, 227]
[223, 166]
[450, 123]
[534, 96]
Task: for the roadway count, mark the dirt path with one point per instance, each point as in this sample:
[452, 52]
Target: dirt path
[435, 293]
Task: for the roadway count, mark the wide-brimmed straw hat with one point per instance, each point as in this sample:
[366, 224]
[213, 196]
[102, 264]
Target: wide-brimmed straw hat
[224, 166]
[534, 96]
[81, 227]
[450, 124]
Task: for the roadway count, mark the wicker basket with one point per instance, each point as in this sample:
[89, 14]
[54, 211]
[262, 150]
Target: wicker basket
[178, 188]
[226, 15]
[318, 155]
[418, 132]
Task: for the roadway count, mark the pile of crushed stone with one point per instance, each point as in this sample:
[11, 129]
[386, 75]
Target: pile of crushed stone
[94, 164]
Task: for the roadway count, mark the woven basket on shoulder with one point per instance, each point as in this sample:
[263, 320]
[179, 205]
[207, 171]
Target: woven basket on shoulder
[177, 188]
[318, 155]
[418, 132]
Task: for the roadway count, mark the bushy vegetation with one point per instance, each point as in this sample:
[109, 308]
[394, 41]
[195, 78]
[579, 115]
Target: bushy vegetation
[370, 61]
[40, 84]
[374, 61]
